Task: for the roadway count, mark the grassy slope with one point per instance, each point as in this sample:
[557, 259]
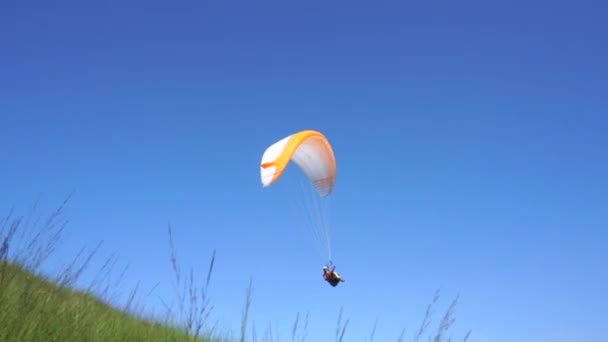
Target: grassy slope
[35, 309]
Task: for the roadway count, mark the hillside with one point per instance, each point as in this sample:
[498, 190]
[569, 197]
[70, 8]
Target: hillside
[35, 309]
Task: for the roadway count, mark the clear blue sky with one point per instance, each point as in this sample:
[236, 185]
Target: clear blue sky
[470, 138]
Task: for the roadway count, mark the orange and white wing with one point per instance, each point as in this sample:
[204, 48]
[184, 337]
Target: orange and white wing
[311, 151]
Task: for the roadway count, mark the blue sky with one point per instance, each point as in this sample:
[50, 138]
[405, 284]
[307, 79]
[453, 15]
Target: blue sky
[470, 138]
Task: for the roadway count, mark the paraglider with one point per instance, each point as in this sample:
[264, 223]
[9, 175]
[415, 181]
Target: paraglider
[332, 277]
[313, 154]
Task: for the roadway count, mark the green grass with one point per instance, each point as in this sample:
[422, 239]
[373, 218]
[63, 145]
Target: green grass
[35, 306]
[35, 309]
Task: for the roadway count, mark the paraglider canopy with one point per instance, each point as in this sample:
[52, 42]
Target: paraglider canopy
[311, 151]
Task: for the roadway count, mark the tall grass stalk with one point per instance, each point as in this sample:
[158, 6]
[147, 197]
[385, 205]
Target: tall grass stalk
[340, 329]
[196, 314]
[245, 315]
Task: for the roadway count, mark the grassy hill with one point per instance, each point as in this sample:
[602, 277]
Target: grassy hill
[35, 309]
